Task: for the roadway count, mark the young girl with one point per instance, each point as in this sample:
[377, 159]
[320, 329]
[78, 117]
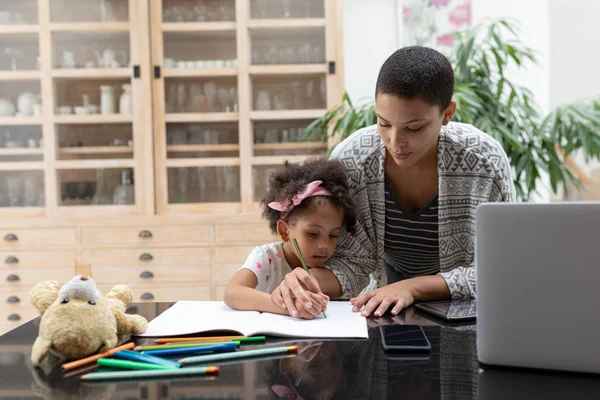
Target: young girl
[309, 202]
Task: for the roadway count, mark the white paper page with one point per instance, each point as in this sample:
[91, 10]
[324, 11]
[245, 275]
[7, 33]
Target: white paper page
[191, 317]
[341, 322]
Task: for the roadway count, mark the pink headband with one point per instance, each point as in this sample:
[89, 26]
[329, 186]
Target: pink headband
[310, 190]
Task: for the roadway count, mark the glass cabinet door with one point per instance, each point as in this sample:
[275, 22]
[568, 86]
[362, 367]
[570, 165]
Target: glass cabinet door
[289, 76]
[196, 106]
[21, 140]
[98, 104]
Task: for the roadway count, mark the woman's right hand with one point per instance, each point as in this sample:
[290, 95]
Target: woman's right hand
[299, 293]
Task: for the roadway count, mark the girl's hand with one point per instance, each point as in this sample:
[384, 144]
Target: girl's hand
[378, 301]
[294, 294]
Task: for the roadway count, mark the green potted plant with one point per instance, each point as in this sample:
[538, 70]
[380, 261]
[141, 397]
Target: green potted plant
[487, 99]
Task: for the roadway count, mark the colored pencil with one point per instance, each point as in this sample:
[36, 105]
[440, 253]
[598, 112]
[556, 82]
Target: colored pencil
[126, 364]
[251, 339]
[146, 358]
[92, 359]
[193, 339]
[303, 262]
[179, 345]
[217, 348]
[170, 379]
[212, 358]
[159, 373]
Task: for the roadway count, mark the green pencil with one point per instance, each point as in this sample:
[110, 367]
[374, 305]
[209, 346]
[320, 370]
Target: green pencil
[180, 345]
[161, 373]
[113, 363]
[303, 262]
[213, 358]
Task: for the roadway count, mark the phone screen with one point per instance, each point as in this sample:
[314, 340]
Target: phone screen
[399, 337]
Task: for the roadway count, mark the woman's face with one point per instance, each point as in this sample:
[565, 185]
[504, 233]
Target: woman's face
[410, 128]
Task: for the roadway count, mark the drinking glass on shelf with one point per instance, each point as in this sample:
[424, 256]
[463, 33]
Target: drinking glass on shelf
[263, 101]
[272, 56]
[286, 8]
[101, 196]
[200, 11]
[271, 136]
[210, 91]
[181, 97]
[233, 97]
[287, 56]
[223, 96]
[30, 194]
[262, 6]
[124, 192]
[14, 189]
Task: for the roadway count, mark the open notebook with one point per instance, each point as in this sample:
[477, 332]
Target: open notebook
[197, 317]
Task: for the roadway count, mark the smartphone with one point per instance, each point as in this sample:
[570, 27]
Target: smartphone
[451, 310]
[407, 338]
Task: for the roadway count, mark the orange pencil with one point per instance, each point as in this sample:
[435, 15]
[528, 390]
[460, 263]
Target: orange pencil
[195, 339]
[84, 361]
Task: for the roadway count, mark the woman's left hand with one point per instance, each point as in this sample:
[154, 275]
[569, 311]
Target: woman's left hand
[398, 294]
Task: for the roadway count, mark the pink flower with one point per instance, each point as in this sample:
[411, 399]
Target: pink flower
[439, 3]
[445, 40]
[461, 15]
[405, 13]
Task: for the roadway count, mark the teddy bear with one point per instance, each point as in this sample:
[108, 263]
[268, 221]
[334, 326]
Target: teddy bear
[78, 322]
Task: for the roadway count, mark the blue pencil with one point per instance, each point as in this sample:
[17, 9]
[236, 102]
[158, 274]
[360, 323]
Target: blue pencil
[135, 356]
[217, 348]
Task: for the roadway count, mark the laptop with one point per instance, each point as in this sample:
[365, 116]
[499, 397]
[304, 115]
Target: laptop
[538, 277]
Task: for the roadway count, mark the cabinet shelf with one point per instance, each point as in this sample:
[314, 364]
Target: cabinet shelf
[21, 166]
[287, 23]
[203, 147]
[17, 29]
[20, 121]
[94, 164]
[91, 73]
[91, 211]
[93, 119]
[202, 117]
[286, 115]
[205, 208]
[290, 146]
[218, 26]
[193, 72]
[97, 150]
[290, 69]
[21, 151]
[19, 75]
[202, 162]
[90, 27]
[277, 160]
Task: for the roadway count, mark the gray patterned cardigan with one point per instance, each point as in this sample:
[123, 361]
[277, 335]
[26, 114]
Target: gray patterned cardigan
[472, 169]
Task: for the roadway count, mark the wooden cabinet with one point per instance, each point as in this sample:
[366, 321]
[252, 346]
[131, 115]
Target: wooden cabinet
[139, 135]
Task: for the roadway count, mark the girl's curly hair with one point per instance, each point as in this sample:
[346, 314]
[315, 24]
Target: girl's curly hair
[292, 178]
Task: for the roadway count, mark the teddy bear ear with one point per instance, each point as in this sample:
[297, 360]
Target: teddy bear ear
[43, 295]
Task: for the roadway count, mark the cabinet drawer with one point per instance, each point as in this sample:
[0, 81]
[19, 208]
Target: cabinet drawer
[144, 235]
[15, 239]
[258, 233]
[148, 274]
[167, 293]
[228, 260]
[38, 259]
[17, 315]
[147, 257]
[14, 298]
[26, 278]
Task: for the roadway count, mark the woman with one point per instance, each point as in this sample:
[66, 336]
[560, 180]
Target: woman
[416, 179]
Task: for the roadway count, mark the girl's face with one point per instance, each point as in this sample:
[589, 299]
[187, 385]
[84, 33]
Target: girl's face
[410, 128]
[316, 230]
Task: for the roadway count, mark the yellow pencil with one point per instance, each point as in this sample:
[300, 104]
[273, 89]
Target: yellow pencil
[303, 262]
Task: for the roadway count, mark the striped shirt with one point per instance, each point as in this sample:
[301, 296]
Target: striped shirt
[411, 246]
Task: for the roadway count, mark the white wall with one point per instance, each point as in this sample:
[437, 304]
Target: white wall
[370, 37]
[575, 51]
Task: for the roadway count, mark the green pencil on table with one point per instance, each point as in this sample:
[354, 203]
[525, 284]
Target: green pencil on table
[303, 262]
[158, 373]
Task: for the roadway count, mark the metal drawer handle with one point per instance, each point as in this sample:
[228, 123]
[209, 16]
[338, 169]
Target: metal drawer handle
[10, 237]
[147, 296]
[146, 274]
[145, 234]
[146, 257]
[11, 260]
[13, 299]
[14, 317]
[13, 278]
